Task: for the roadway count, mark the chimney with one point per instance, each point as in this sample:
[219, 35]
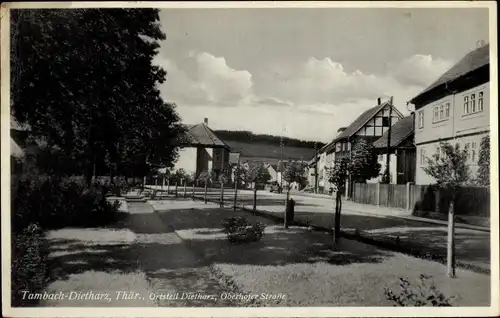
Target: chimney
[205, 121]
[379, 101]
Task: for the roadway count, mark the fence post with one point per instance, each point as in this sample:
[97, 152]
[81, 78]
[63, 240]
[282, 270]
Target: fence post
[378, 194]
[235, 194]
[222, 194]
[184, 183]
[168, 186]
[205, 195]
[193, 191]
[437, 196]
[254, 197]
[408, 199]
[176, 188]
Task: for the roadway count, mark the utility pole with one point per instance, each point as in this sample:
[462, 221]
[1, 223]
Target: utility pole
[281, 161]
[315, 167]
[388, 160]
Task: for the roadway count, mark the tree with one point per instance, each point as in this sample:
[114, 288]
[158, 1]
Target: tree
[483, 173]
[337, 176]
[295, 172]
[179, 175]
[257, 173]
[206, 176]
[450, 170]
[84, 81]
[364, 164]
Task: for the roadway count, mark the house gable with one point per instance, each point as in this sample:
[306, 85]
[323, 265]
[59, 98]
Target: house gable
[379, 123]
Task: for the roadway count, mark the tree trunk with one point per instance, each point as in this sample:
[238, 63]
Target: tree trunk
[451, 238]
[254, 198]
[221, 194]
[338, 208]
[205, 194]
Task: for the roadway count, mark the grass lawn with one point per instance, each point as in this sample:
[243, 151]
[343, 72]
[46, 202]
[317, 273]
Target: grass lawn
[304, 267]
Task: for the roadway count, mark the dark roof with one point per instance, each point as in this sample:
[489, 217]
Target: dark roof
[361, 121]
[401, 130]
[201, 135]
[470, 62]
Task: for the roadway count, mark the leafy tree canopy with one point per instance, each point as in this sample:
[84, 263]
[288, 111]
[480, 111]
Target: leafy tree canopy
[449, 167]
[84, 81]
[364, 165]
[483, 173]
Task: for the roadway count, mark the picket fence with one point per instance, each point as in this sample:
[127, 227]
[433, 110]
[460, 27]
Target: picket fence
[423, 198]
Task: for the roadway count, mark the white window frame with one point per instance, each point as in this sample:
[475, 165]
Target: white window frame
[473, 152]
[466, 104]
[480, 101]
[420, 120]
[447, 110]
[422, 156]
[471, 107]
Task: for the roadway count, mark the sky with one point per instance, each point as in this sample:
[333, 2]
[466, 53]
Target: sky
[304, 73]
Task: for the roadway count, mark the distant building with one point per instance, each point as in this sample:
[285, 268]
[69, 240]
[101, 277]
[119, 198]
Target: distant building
[402, 152]
[455, 108]
[202, 151]
[370, 125]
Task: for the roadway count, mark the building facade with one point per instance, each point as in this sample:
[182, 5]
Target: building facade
[454, 109]
[401, 152]
[203, 151]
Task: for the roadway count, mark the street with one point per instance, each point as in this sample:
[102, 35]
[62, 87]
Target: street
[380, 224]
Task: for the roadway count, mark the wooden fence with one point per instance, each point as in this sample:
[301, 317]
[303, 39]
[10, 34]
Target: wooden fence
[423, 198]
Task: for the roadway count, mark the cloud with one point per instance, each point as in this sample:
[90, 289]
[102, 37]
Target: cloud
[311, 100]
[221, 83]
[213, 82]
[419, 70]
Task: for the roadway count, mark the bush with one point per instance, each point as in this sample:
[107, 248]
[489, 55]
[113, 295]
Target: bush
[29, 264]
[53, 202]
[424, 294]
[238, 229]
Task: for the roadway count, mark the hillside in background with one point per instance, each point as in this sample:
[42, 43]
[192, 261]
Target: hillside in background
[267, 146]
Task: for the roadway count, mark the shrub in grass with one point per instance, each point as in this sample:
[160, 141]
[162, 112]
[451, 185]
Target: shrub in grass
[29, 264]
[238, 229]
[424, 293]
[54, 202]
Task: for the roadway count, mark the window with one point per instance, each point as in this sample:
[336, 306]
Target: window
[422, 156]
[436, 113]
[441, 112]
[447, 110]
[473, 152]
[467, 148]
[421, 119]
[348, 146]
[471, 107]
[385, 121]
